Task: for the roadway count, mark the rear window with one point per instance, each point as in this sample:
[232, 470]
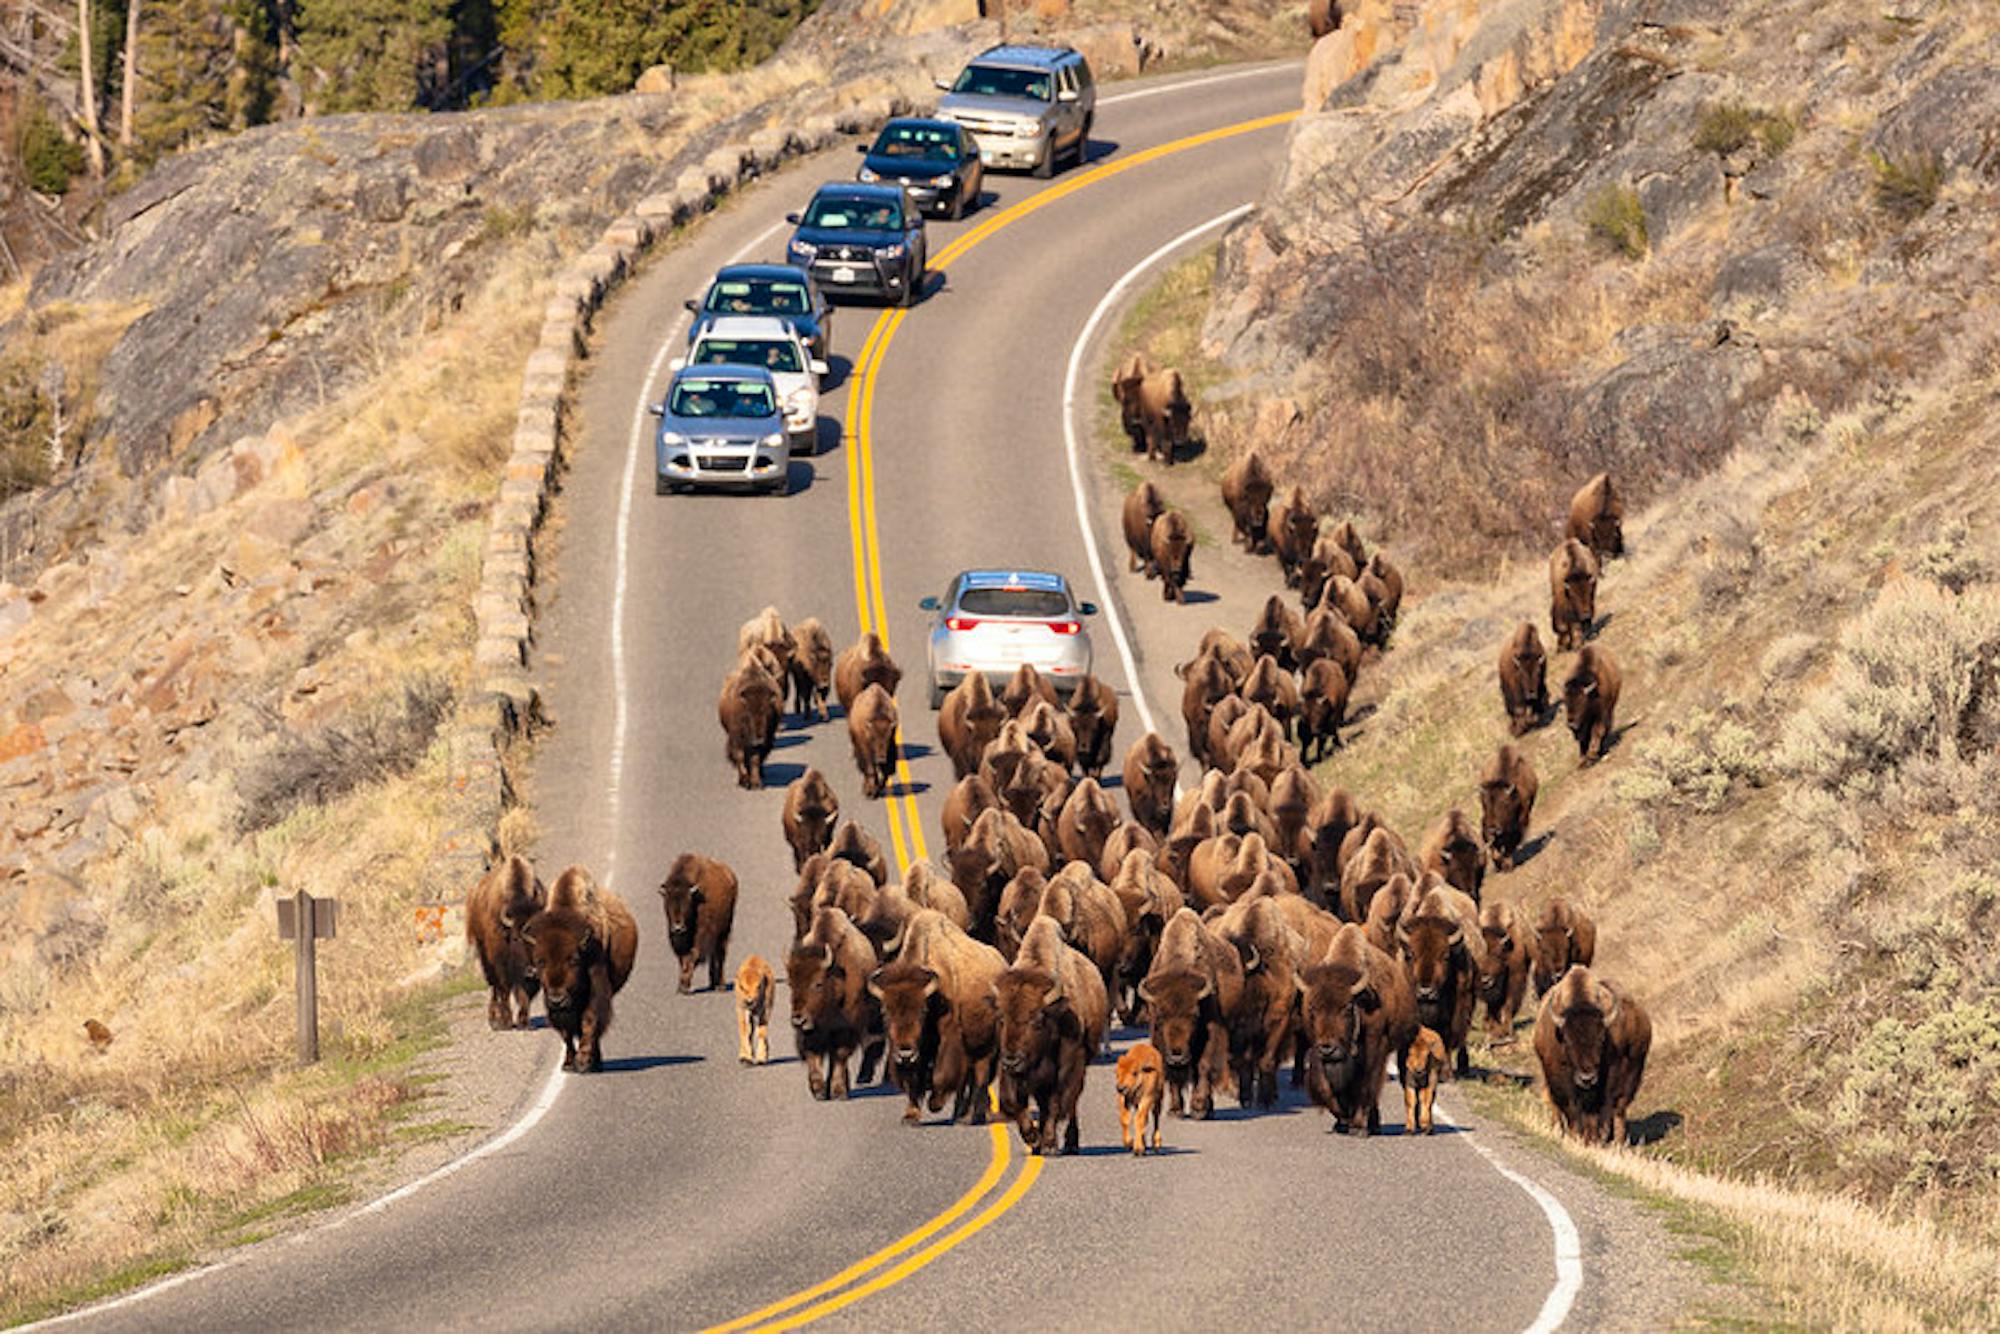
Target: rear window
[758, 296]
[999, 81]
[721, 398]
[1039, 602]
[778, 357]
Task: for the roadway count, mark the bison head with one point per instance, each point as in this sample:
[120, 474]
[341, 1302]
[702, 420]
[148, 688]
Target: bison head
[1499, 805]
[1495, 964]
[1435, 948]
[815, 974]
[1583, 1025]
[1335, 1000]
[909, 996]
[1032, 1011]
[681, 893]
[1177, 1002]
[560, 951]
[1579, 694]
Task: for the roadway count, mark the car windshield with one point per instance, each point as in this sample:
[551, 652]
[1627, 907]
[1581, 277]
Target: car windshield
[835, 213]
[918, 141]
[758, 296]
[721, 398]
[999, 81]
[1040, 602]
[779, 356]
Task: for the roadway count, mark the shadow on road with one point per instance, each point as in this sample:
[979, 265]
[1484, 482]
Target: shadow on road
[628, 1064]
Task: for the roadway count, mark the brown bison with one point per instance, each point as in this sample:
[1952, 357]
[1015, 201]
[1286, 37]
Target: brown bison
[810, 811]
[1327, 828]
[1565, 938]
[1357, 1010]
[1322, 709]
[1205, 684]
[1157, 403]
[1227, 649]
[1349, 538]
[1328, 635]
[1151, 768]
[1590, 700]
[495, 911]
[766, 630]
[927, 888]
[1345, 596]
[1572, 593]
[699, 895]
[1380, 856]
[812, 667]
[1421, 1069]
[1389, 580]
[858, 847]
[1503, 972]
[1025, 688]
[1142, 1086]
[1126, 381]
[581, 947]
[1442, 946]
[871, 729]
[1129, 837]
[756, 989]
[1053, 1013]
[1148, 897]
[962, 805]
[1327, 559]
[996, 850]
[1524, 679]
[1172, 544]
[1295, 528]
[1597, 517]
[1020, 900]
[1091, 918]
[1277, 632]
[1260, 1029]
[968, 721]
[1591, 1039]
[1386, 911]
[1093, 721]
[830, 882]
[1246, 494]
[937, 1017]
[833, 1014]
[1222, 719]
[864, 663]
[1143, 505]
[1087, 821]
[1191, 993]
[1507, 788]
[749, 710]
[1293, 796]
[1456, 851]
[1049, 728]
[1322, 17]
[1276, 689]
[1004, 753]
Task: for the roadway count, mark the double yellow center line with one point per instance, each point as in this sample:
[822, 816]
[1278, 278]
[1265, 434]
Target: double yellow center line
[911, 1252]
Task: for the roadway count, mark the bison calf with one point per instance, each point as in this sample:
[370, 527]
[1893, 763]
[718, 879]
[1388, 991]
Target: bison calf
[1420, 1070]
[756, 988]
[1142, 1085]
[1591, 1040]
[699, 895]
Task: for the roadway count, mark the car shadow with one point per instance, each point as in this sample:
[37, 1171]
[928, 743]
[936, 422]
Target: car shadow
[838, 368]
[799, 476]
[1096, 150]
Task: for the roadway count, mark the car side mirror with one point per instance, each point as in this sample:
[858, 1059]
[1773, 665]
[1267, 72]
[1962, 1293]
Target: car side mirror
[1087, 608]
[691, 304]
[656, 409]
[942, 85]
[861, 149]
[678, 364]
[1066, 95]
[821, 368]
[927, 604]
[792, 218]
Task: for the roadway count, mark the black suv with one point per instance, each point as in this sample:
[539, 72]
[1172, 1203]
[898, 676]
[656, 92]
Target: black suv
[862, 239]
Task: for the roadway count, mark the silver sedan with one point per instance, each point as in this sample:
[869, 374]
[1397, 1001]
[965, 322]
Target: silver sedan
[994, 620]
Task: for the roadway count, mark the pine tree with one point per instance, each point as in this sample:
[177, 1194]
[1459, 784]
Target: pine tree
[373, 55]
[187, 51]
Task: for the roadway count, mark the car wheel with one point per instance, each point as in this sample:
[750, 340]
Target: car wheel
[958, 206]
[1045, 167]
[938, 693]
[662, 487]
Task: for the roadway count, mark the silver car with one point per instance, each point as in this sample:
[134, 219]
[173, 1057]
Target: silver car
[1027, 105]
[992, 621]
[720, 426]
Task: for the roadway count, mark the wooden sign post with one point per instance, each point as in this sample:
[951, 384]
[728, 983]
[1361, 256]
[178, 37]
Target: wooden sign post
[305, 919]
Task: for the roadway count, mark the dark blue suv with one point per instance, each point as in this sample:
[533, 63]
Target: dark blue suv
[865, 240]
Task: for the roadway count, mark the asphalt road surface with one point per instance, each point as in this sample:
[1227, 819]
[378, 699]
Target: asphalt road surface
[681, 1190]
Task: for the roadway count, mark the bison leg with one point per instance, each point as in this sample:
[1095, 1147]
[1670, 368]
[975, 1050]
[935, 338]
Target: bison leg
[762, 1053]
[497, 1013]
[816, 1074]
[837, 1083]
[1125, 1125]
[1410, 1117]
[871, 1055]
[743, 1035]
[569, 1050]
[687, 974]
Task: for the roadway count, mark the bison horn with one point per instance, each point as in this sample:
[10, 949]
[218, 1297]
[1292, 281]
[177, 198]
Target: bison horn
[1145, 993]
[1055, 991]
[1609, 1003]
[1207, 990]
[1253, 961]
[875, 984]
[829, 956]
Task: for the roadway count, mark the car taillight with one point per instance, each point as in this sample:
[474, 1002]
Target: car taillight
[1066, 627]
[961, 622]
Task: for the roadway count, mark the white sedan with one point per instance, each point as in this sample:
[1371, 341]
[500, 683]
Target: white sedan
[766, 341]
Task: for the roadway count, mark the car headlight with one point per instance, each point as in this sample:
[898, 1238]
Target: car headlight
[774, 440]
[804, 249]
[865, 174]
[891, 252]
[1028, 129]
[945, 179]
[799, 400]
[669, 439]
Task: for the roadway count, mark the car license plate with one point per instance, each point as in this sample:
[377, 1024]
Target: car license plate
[843, 274]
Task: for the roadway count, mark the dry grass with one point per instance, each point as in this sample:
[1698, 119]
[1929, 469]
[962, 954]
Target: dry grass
[191, 1120]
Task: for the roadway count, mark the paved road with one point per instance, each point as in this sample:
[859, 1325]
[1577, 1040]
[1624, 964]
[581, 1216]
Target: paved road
[679, 1190]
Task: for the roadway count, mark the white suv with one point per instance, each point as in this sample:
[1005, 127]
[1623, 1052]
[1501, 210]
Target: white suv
[766, 341]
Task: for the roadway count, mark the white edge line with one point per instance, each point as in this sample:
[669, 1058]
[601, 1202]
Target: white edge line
[554, 1083]
[1568, 1244]
[1269, 67]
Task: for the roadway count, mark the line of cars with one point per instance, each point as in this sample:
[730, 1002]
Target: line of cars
[745, 397]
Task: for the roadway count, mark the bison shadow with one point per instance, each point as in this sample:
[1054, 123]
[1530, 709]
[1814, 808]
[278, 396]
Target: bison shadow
[797, 738]
[1596, 627]
[1653, 1127]
[629, 1064]
[781, 775]
[1192, 448]
[1194, 597]
[1120, 1151]
[1532, 849]
[1616, 736]
[912, 788]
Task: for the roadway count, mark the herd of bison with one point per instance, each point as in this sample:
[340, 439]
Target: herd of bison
[1246, 922]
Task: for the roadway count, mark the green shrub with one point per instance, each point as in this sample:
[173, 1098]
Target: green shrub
[1914, 675]
[385, 738]
[48, 159]
[1951, 559]
[1695, 763]
[1730, 127]
[24, 429]
[1906, 187]
[1615, 217]
[1776, 130]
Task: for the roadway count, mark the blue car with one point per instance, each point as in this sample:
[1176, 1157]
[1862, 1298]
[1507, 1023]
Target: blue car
[779, 290]
[720, 426]
[862, 240]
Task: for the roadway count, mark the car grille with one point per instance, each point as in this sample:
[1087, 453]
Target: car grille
[1003, 128]
[848, 254]
[722, 462]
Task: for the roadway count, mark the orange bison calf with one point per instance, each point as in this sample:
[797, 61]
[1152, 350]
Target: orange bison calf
[699, 895]
[583, 945]
[1421, 1069]
[1592, 1040]
[1142, 1086]
[756, 988]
